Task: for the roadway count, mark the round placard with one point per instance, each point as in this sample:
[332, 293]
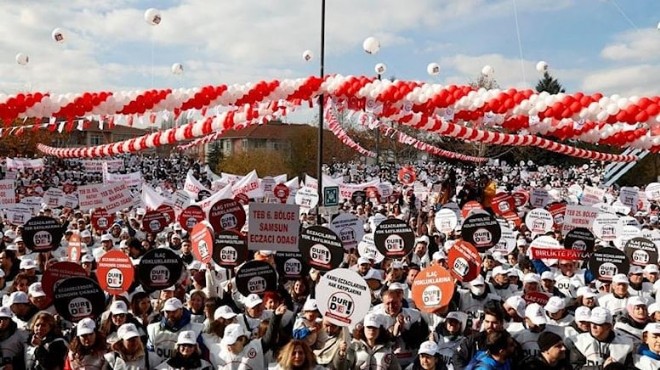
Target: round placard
[168, 212]
[481, 230]
[469, 208]
[539, 221]
[256, 277]
[349, 228]
[201, 238]
[652, 191]
[74, 249]
[607, 262]
[343, 297]
[42, 234]
[605, 226]
[76, 298]
[432, 289]
[539, 198]
[367, 248]
[321, 248]
[159, 268]
[407, 176]
[190, 217]
[242, 198]
[115, 272]
[507, 242]
[307, 197]
[464, 261]
[394, 238]
[291, 265]
[154, 222]
[281, 192]
[446, 220]
[641, 251]
[558, 211]
[544, 242]
[60, 271]
[101, 219]
[520, 198]
[230, 248]
[358, 197]
[227, 214]
[503, 203]
[580, 239]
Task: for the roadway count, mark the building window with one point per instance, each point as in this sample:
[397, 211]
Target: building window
[96, 139]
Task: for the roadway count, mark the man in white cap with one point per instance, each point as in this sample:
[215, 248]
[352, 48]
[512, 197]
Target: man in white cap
[557, 313]
[637, 286]
[254, 313]
[536, 323]
[514, 309]
[420, 255]
[23, 311]
[106, 246]
[38, 298]
[162, 335]
[449, 334]
[12, 341]
[499, 283]
[632, 322]
[616, 301]
[649, 357]
[654, 312]
[601, 346]
[128, 352]
[582, 323]
[473, 300]
[187, 355]
[651, 272]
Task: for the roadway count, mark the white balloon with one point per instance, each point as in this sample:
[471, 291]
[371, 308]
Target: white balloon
[380, 68]
[308, 55]
[58, 35]
[177, 68]
[433, 69]
[153, 16]
[488, 71]
[22, 59]
[371, 45]
[542, 66]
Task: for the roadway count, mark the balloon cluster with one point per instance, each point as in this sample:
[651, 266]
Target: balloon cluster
[335, 127]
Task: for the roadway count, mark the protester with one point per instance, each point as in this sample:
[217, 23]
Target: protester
[46, 347]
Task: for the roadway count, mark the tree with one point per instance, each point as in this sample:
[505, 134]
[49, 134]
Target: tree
[549, 84]
[266, 162]
[19, 141]
[214, 156]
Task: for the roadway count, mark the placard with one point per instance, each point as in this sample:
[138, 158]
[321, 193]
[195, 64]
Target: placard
[281, 192]
[624, 234]
[605, 226]
[321, 248]
[273, 227]
[7, 192]
[407, 176]
[306, 197]
[42, 234]
[592, 195]
[394, 238]
[580, 239]
[507, 242]
[191, 216]
[652, 191]
[154, 222]
[446, 220]
[536, 297]
[77, 298]
[60, 271]
[503, 203]
[481, 230]
[230, 248]
[539, 198]
[544, 242]
[539, 221]
[464, 261]
[349, 228]
[227, 214]
[89, 196]
[101, 219]
[74, 248]
[202, 243]
[256, 277]
[367, 249]
[557, 210]
[291, 265]
[641, 251]
[343, 297]
[159, 268]
[520, 198]
[168, 212]
[578, 216]
[115, 272]
[607, 262]
[432, 289]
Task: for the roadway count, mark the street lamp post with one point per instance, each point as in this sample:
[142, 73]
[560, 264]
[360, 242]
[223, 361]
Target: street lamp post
[319, 169]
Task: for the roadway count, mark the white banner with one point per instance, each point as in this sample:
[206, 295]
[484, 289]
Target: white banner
[192, 186]
[591, 196]
[96, 166]
[206, 204]
[150, 197]
[117, 197]
[128, 179]
[273, 227]
[53, 198]
[23, 163]
[89, 196]
[248, 185]
[7, 192]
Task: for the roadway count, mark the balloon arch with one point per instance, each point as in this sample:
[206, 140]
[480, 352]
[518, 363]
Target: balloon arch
[456, 111]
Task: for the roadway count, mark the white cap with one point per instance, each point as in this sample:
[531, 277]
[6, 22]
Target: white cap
[534, 312]
[85, 326]
[266, 253]
[19, 239]
[396, 286]
[195, 265]
[582, 313]
[653, 328]
[87, 258]
[12, 247]
[372, 320]
[499, 270]
[127, 331]
[172, 304]
[186, 337]
[85, 234]
[252, 301]
[119, 307]
[651, 269]
[18, 297]
[634, 270]
[310, 305]
[36, 290]
[437, 256]
[586, 292]
[479, 280]
[10, 234]
[517, 303]
[27, 264]
[531, 278]
[547, 275]
[620, 279]
[5, 312]
[224, 312]
[555, 304]
[428, 348]
[600, 315]
[653, 308]
[170, 288]
[232, 333]
[371, 274]
[363, 260]
[636, 301]
[106, 238]
[397, 265]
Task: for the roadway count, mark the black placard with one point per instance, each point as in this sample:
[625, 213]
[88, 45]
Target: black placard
[230, 248]
[159, 268]
[641, 251]
[580, 239]
[227, 214]
[394, 238]
[76, 298]
[256, 277]
[42, 234]
[482, 230]
[321, 248]
[358, 197]
[608, 262]
[291, 265]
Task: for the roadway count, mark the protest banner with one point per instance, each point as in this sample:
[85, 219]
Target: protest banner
[343, 297]
[273, 226]
[7, 192]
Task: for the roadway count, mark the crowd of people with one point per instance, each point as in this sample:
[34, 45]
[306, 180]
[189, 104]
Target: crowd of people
[204, 322]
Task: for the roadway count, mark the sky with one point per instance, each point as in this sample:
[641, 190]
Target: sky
[608, 46]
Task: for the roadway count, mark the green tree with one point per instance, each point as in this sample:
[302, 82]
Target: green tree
[214, 156]
[549, 84]
[266, 162]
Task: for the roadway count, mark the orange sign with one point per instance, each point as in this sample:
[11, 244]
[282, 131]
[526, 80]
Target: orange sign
[202, 242]
[432, 289]
[74, 249]
[469, 206]
[115, 272]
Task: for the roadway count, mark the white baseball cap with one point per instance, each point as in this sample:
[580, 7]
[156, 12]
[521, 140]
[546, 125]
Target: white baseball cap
[600, 315]
[396, 286]
[428, 348]
[517, 303]
[534, 312]
[370, 275]
[106, 238]
[232, 333]
[583, 313]
[27, 264]
[87, 258]
[172, 304]
[635, 270]
[119, 307]
[653, 308]
[310, 305]
[85, 326]
[555, 304]
[18, 297]
[653, 328]
[636, 301]
[479, 280]
[547, 275]
[5, 312]
[620, 279]
[531, 278]
[186, 337]
[651, 269]
[438, 256]
[266, 253]
[363, 260]
[224, 312]
[36, 290]
[499, 270]
[586, 292]
[127, 331]
[252, 301]
[372, 321]
[85, 234]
